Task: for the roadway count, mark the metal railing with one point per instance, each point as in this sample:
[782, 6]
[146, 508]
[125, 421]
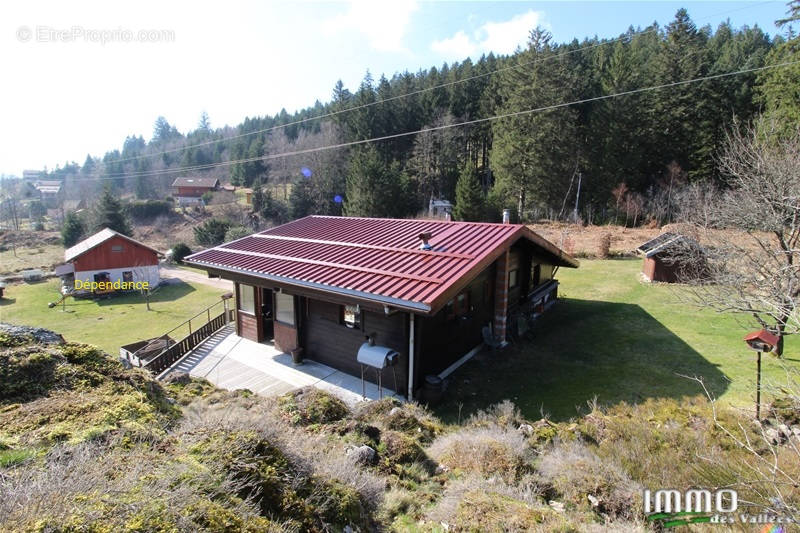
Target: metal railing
[191, 332]
[175, 352]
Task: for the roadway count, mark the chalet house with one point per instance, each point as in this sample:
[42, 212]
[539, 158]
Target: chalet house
[427, 290]
[108, 256]
[188, 191]
[50, 191]
[667, 258]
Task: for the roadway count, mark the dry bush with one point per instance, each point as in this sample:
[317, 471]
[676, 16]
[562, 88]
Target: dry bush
[662, 442]
[503, 414]
[310, 405]
[575, 473]
[82, 487]
[489, 451]
[311, 454]
[471, 503]
[604, 246]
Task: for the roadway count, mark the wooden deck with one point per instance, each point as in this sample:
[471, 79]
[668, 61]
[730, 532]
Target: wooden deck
[232, 362]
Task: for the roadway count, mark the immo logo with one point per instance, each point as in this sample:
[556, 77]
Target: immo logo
[674, 508]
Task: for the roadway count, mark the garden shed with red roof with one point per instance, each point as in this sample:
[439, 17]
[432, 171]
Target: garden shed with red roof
[425, 289]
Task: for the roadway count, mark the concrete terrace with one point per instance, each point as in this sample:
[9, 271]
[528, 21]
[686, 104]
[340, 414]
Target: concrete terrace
[232, 362]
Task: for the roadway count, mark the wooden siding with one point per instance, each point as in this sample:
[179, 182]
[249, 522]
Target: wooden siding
[329, 341]
[192, 191]
[285, 337]
[104, 257]
[443, 341]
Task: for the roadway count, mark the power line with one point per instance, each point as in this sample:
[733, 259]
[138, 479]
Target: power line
[442, 127]
[419, 91]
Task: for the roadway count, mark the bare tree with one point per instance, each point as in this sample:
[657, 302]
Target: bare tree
[755, 269]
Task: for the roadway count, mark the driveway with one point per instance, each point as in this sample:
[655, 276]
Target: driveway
[171, 271]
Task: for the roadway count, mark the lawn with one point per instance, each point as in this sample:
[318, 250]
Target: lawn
[619, 339]
[107, 323]
[24, 257]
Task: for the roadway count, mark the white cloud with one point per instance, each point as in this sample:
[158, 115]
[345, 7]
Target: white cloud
[384, 24]
[497, 37]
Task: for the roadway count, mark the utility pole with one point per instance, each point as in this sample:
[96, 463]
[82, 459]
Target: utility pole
[577, 199]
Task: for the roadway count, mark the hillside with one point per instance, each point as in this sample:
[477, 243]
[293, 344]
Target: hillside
[87, 445]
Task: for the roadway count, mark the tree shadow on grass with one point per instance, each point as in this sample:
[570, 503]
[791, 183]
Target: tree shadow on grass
[582, 349]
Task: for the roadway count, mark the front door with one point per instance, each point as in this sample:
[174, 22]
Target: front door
[267, 314]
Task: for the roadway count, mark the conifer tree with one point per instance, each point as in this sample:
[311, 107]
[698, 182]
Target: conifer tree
[470, 201]
[72, 230]
[109, 214]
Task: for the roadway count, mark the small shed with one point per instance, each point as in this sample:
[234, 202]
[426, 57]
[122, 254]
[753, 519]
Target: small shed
[666, 260]
[109, 257]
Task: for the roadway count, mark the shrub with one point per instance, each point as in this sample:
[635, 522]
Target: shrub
[489, 451]
[211, 232]
[180, 251]
[575, 473]
[396, 448]
[237, 232]
[310, 405]
[27, 373]
[148, 209]
[472, 503]
[604, 246]
[207, 197]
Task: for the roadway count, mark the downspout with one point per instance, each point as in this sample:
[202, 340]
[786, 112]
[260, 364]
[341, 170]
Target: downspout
[410, 394]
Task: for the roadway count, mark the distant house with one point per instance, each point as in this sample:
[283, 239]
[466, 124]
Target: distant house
[188, 191]
[666, 258]
[32, 175]
[108, 256]
[440, 208]
[51, 192]
[428, 292]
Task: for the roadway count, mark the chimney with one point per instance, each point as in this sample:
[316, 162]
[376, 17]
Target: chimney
[506, 216]
[424, 237]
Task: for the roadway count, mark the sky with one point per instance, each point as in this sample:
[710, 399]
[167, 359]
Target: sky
[78, 77]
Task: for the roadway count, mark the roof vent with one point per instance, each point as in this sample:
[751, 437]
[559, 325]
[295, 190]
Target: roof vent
[425, 237]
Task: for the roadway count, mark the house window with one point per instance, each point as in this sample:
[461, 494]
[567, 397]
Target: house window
[513, 278]
[536, 276]
[247, 302]
[449, 310]
[457, 307]
[462, 304]
[127, 276]
[351, 316]
[116, 248]
[284, 304]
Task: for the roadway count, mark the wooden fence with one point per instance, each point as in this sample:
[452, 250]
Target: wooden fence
[172, 354]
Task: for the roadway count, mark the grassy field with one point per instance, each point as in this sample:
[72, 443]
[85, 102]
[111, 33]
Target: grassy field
[44, 257]
[107, 323]
[616, 338]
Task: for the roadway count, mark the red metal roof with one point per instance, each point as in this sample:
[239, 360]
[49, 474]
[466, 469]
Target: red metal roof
[374, 258]
[763, 336]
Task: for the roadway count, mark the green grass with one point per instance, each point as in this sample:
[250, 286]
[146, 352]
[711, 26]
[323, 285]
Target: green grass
[616, 338]
[24, 257]
[108, 323]
[14, 457]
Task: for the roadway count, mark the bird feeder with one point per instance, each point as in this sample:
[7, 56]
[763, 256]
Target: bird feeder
[760, 341]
